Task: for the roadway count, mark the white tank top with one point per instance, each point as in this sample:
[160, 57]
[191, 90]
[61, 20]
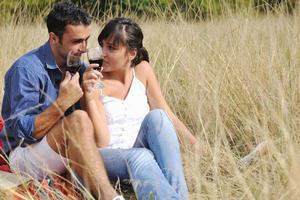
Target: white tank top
[124, 117]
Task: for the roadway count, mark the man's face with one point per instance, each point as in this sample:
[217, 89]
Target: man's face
[73, 39]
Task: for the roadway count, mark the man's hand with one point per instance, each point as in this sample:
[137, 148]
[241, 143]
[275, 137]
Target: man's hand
[69, 91]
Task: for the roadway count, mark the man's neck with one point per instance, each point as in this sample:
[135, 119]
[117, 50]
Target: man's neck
[58, 59]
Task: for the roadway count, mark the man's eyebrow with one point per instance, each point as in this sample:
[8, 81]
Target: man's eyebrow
[81, 39]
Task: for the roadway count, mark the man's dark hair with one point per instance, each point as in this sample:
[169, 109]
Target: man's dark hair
[65, 13]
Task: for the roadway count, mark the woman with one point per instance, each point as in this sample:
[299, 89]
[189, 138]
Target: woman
[132, 120]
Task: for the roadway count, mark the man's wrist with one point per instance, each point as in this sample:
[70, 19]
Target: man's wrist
[61, 108]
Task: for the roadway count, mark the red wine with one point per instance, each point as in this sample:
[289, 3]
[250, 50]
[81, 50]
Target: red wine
[96, 61]
[73, 69]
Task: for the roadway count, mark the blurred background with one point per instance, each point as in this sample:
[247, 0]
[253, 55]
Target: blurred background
[188, 9]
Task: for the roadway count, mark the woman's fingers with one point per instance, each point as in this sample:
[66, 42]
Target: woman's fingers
[92, 73]
[89, 85]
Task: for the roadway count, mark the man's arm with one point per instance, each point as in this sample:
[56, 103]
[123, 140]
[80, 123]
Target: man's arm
[69, 93]
[25, 115]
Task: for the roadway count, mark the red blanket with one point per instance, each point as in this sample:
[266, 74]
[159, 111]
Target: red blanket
[1, 127]
[58, 188]
[3, 164]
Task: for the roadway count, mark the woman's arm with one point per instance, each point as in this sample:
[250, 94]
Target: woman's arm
[156, 100]
[95, 108]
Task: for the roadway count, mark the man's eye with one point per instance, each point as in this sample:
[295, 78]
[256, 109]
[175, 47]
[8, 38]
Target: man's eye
[77, 41]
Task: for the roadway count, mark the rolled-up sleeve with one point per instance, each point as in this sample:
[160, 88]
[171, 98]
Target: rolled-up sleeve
[24, 102]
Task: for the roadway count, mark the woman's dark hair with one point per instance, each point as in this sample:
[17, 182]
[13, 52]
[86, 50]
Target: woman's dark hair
[128, 33]
[65, 13]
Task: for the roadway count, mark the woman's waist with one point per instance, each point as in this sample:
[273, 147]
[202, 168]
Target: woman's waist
[119, 130]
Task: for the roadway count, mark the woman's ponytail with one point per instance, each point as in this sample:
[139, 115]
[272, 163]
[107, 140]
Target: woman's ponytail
[142, 54]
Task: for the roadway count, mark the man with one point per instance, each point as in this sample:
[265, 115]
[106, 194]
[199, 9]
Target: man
[43, 133]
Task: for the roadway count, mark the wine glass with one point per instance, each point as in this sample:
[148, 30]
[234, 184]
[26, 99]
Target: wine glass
[95, 57]
[73, 62]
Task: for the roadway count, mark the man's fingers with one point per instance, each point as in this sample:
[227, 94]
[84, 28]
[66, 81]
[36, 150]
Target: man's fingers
[75, 77]
[67, 78]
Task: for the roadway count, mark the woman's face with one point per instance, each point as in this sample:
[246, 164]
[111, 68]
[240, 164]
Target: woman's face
[115, 57]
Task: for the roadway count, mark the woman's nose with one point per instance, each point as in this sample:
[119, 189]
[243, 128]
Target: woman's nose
[104, 52]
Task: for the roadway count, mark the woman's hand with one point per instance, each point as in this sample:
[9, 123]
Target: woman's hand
[90, 78]
[193, 144]
[201, 149]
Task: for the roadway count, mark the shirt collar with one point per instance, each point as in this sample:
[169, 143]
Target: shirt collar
[48, 56]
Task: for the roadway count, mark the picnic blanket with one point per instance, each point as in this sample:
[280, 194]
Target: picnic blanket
[17, 187]
[3, 162]
[52, 188]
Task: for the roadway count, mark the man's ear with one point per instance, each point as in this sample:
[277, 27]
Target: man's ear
[54, 39]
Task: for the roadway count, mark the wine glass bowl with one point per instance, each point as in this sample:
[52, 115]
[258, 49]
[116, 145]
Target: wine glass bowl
[95, 57]
[73, 62]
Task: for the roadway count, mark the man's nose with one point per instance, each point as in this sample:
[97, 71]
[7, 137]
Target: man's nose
[83, 47]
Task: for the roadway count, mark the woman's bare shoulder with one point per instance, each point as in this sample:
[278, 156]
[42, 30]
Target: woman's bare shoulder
[143, 70]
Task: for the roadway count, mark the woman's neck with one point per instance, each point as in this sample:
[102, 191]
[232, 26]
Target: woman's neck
[124, 75]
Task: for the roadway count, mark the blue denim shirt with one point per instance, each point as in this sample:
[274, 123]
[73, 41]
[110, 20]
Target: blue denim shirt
[31, 86]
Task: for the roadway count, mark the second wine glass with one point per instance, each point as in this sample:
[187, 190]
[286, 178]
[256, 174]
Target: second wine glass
[95, 57]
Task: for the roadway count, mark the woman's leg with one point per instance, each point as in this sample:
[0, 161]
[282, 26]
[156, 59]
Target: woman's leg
[138, 165]
[158, 134]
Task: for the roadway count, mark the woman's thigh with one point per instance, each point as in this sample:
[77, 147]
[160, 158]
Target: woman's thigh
[115, 162]
[126, 163]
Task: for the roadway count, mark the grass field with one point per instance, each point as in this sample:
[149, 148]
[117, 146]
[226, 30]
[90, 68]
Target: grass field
[235, 82]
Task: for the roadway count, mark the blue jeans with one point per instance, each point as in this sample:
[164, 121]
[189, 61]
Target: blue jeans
[154, 164]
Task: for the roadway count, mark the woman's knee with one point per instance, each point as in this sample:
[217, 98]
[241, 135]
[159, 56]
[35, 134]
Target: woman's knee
[140, 157]
[157, 113]
[158, 120]
[158, 116]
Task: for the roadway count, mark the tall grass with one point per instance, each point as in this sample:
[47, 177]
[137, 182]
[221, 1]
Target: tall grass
[234, 81]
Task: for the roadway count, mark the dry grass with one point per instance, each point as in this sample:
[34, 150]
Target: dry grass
[235, 82]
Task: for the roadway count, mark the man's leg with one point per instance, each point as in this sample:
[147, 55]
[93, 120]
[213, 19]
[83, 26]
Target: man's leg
[73, 137]
[37, 160]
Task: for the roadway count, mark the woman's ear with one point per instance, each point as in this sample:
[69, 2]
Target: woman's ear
[132, 54]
